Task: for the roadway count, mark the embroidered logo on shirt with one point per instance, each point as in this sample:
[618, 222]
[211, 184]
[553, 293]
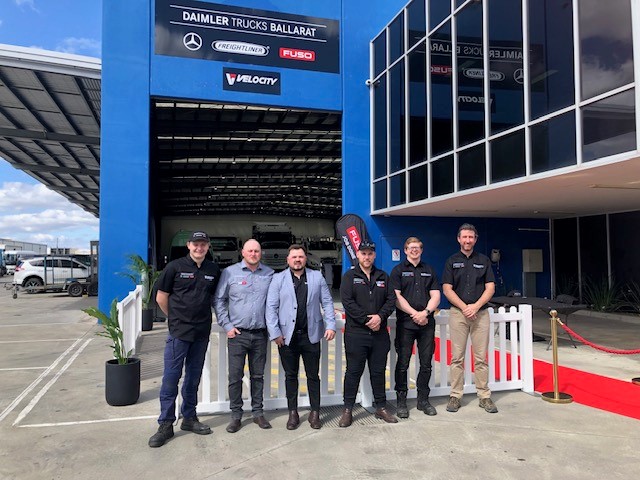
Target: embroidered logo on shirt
[425, 274]
[187, 275]
[458, 265]
[209, 277]
[407, 274]
[475, 265]
[380, 284]
[358, 281]
[242, 282]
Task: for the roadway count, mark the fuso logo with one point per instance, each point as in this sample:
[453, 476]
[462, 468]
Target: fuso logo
[354, 236]
[295, 54]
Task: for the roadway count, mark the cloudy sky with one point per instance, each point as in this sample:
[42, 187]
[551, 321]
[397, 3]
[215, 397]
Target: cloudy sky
[28, 210]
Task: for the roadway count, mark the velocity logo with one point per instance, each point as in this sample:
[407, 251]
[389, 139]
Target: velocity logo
[253, 81]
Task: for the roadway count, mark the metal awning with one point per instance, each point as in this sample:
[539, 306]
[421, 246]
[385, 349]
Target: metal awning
[50, 120]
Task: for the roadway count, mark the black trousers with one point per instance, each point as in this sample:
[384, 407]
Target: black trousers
[405, 337]
[372, 349]
[300, 346]
[251, 344]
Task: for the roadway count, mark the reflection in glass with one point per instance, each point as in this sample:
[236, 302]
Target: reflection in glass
[417, 106]
[396, 119]
[609, 126]
[471, 168]
[470, 75]
[441, 91]
[553, 143]
[396, 38]
[418, 186]
[551, 56]
[398, 189]
[380, 53]
[380, 195]
[442, 176]
[508, 157]
[505, 64]
[438, 11]
[606, 52]
[417, 26]
[380, 128]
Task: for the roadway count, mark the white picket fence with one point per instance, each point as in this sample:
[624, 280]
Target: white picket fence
[513, 369]
[130, 318]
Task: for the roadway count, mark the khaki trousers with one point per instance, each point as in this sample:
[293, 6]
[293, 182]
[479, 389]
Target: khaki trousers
[459, 330]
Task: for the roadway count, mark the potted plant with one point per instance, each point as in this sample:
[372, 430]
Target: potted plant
[141, 273]
[122, 373]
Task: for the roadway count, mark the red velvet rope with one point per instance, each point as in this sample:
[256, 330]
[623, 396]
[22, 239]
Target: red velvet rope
[598, 347]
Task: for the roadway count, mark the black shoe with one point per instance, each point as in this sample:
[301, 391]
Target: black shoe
[234, 425]
[425, 406]
[262, 422]
[164, 433]
[194, 425]
[401, 405]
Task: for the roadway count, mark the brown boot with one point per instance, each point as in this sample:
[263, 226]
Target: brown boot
[346, 419]
[314, 419]
[384, 414]
[294, 420]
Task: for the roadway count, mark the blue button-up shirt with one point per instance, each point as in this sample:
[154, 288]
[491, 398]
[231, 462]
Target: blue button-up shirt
[241, 297]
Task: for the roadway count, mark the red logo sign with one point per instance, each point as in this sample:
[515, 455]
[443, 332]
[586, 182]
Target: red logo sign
[296, 54]
[354, 236]
[441, 69]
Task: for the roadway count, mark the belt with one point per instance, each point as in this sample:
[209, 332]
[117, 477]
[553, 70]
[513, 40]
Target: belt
[300, 332]
[252, 330]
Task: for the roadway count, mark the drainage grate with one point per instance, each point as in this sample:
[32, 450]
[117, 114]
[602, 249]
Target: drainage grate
[330, 416]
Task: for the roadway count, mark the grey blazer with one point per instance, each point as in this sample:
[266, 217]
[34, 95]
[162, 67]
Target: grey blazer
[282, 306]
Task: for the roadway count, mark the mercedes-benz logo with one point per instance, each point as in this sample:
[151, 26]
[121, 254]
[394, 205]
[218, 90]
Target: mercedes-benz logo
[192, 41]
[518, 76]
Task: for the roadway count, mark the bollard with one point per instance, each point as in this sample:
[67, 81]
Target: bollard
[555, 396]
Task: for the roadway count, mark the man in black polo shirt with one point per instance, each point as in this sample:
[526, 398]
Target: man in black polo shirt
[185, 292]
[418, 295]
[468, 283]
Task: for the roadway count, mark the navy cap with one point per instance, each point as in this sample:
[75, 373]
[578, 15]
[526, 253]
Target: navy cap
[367, 245]
[199, 237]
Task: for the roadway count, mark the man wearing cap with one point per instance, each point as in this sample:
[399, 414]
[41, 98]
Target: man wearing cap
[418, 295]
[240, 303]
[185, 292]
[368, 300]
[468, 283]
[296, 324]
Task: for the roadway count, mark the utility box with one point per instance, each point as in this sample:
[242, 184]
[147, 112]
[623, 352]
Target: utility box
[532, 261]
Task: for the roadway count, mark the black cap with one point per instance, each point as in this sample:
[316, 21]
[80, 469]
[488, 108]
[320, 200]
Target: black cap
[198, 236]
[367, 245]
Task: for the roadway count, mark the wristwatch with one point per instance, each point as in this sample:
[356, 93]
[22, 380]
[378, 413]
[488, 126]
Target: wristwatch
[429, 312]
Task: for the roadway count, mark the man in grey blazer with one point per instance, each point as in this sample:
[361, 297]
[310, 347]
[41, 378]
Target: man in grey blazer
[296, 324]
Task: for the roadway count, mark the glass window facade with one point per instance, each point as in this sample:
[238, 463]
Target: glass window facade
[458, 104]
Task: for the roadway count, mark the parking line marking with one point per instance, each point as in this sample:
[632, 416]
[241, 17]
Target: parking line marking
[86, 422]
[21, 368]
[32, 341]
[35, 383]
[25, 411]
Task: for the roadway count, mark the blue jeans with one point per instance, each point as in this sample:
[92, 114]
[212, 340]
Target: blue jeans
[179, 353]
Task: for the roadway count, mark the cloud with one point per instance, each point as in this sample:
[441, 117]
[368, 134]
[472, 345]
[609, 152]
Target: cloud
[81, 46]
[27, 3]
[0, 22]
[22, 197]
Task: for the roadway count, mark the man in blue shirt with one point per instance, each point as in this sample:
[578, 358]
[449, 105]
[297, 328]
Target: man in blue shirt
[240, 303]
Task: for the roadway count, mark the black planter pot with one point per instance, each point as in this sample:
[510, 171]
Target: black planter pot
[122, 382]
[147, 319]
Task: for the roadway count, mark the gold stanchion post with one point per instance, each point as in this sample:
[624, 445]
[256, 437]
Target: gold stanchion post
[555, 396]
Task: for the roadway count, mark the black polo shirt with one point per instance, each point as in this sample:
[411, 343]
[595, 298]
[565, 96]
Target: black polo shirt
[468, 275]
[414, 283]
[190, 292]
[301, 288]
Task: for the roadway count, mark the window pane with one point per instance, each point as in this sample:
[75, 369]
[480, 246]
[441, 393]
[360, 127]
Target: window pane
[438, 11]
[609, 126]
[417, 106]
[418, 186]
[551, 56]
[442, 176]
[379, 53]
[471, 168]
[505, 63]
[398, 190]
[508, 157]
[553, 143]
[396, 38]
[380, 195]
[380, 127]
[416, 21]
[441, 91]
[396, 138]
[593, 248]
[606, 51]
[470, 75]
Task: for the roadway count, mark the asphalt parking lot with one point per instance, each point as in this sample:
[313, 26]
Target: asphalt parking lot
[55, 424]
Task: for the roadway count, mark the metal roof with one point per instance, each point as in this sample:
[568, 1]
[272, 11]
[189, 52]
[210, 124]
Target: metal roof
[50, 120]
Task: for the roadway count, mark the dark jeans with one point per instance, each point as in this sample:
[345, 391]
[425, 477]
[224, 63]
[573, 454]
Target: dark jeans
[290, 358]
[252, 344]
[179, 353]
[404, 346]
[372, 349]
